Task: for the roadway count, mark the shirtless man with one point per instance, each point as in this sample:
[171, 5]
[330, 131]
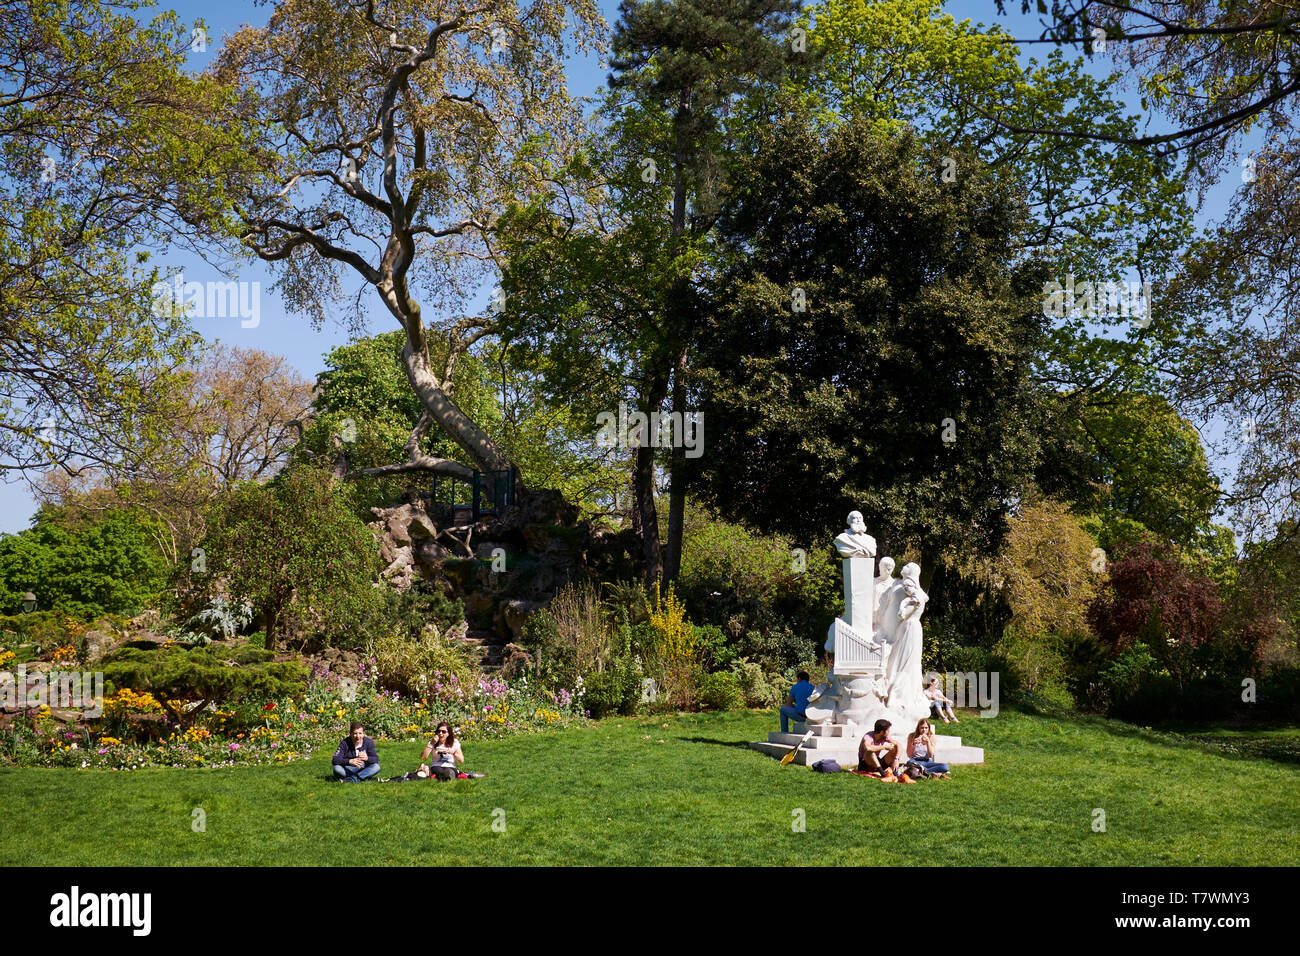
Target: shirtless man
[879, 753]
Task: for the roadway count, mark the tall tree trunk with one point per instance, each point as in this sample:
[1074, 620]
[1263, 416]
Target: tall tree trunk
[677, 319]
[269, 619]
[677, 490]
[644, 476]
[643, 485]
[447, 414]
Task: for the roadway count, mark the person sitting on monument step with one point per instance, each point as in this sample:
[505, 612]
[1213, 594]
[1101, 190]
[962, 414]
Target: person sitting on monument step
[796, 702]
[878, 753]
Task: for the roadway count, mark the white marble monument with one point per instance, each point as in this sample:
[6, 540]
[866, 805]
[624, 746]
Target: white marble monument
[876, 670]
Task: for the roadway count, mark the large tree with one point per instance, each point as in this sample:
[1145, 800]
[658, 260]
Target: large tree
[620, 247]
[393, 135]
[103, 147]
[871, 343]
[1101, 210]
[236, 419]
[1219, 80]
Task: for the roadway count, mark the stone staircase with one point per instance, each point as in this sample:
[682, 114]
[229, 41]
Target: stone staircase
[841, 745]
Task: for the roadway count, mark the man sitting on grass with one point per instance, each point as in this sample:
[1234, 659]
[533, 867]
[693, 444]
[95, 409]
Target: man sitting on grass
[356, 760]
[878, 754]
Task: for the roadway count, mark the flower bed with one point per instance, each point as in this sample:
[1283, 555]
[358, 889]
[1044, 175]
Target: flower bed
[278, 731]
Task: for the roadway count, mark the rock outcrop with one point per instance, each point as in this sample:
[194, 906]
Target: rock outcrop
[502, 567]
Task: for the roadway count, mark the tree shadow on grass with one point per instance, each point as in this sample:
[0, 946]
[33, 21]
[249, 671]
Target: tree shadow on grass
[1282, 749]
[739, 744]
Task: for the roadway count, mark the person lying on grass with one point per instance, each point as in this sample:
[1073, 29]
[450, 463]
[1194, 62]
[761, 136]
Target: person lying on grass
[356, 759]
[921, 749]
[878, 753]
[447, 753]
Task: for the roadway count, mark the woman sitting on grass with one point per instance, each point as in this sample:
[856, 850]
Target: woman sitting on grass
[447, 753]
[921, 749]
[940, 706]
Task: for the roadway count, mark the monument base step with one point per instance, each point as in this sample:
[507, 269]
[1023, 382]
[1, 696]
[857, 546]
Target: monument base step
[949, 750]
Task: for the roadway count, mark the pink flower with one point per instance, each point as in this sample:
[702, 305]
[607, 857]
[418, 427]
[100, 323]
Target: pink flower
[234, 746]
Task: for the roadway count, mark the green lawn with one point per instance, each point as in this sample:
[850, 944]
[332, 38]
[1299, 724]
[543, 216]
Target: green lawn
[604, 795]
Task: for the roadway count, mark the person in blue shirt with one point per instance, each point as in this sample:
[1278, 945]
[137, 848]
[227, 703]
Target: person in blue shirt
[796, 702]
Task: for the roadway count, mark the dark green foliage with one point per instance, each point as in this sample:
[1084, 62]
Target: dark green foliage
[295, 550]
[615, 690]
[916, 309]
[768, 600]
[110, 565]
[689, 58]
[400, 613]
[199, 676]
[720, 691]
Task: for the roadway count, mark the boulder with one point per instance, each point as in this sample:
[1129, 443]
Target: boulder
[514, 661]
[420, 528]
[478, 602]
[97, 644]
[403, 558]
[515, 613]
[146, 620]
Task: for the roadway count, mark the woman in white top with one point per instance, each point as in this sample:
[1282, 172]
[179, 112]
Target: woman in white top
[921, 749]
[447, 753]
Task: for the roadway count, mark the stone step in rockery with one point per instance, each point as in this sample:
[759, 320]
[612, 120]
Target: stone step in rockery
[844, 749]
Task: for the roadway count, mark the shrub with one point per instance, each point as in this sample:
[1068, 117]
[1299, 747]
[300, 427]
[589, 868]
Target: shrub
[571, 638]
[677, 648]
[185, 679]
[110, 566]
[758, 688]
[1035, 663]
[381, 611]
[1153, 598]
[769, 601]
[407, 663]
[720, 691]
[1046, 569]
[615, 690]
[293, 549]
[1124, 679]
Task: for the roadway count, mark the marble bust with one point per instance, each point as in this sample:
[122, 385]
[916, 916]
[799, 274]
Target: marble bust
[854, 542]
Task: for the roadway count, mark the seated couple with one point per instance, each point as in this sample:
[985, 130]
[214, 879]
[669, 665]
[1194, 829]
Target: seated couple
[878, 753]
[357, 760]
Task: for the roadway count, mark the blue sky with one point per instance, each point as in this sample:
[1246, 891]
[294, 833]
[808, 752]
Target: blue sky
[293, 337]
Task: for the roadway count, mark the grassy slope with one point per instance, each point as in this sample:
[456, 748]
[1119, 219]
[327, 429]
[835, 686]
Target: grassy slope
[606, 796]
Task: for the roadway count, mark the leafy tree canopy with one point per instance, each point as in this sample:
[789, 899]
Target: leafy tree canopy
[870, 312]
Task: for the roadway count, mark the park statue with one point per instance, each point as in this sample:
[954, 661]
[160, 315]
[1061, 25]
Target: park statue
[853, 541]
[875, 670]
[903, 682]
[885, 583]
[875, 643]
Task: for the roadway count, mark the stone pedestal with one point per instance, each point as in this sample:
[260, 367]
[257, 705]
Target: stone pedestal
[859, 594]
